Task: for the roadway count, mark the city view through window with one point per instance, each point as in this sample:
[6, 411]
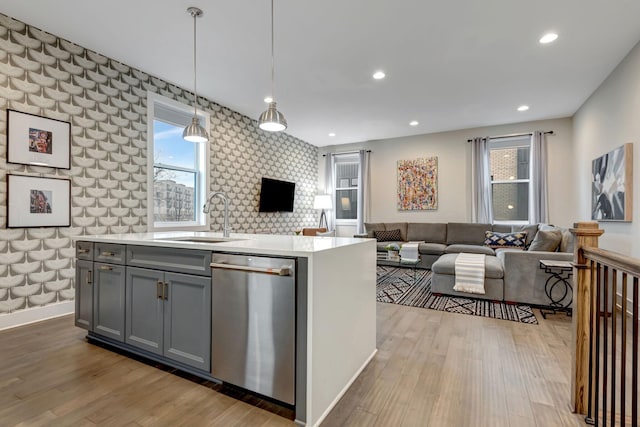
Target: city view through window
[175, 174]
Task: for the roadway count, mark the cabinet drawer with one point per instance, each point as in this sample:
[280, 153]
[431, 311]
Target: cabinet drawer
[176, 260]
[109, 252]
[84, 250]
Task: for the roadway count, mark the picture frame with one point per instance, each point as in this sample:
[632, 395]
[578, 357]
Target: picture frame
[38, 202]
[612, 185]
[418, 184]
[38, 141]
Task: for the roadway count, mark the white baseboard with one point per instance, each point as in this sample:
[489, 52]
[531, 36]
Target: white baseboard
[32, 315]
[629, 305]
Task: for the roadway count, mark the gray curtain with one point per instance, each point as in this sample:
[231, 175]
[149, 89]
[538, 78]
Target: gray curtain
[364, 195]
[329, 165]
[538, 202]
[481, 206]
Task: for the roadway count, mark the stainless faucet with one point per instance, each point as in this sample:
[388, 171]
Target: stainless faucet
[207, 206]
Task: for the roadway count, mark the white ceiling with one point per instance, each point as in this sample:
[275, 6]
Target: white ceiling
[450, 64]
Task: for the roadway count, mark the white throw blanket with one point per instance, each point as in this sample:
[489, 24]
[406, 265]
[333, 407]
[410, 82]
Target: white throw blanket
[409, 251]
[469, 273]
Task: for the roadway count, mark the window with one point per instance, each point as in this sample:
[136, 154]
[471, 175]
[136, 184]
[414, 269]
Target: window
[178, 169]
[346, 183]
[509, 165]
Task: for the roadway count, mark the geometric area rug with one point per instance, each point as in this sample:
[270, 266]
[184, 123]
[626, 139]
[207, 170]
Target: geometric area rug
[397, 286]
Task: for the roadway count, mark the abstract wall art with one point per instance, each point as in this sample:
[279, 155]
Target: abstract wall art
[611, 185]
[418, 184]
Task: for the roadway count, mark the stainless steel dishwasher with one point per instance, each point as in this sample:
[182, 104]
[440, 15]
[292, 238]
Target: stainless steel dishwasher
[253, 323]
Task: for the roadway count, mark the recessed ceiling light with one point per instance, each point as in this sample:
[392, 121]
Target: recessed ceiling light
[414, 123]
[379, 75]
[268, 99]
[548, 38]
[523, 108]
[332, 134]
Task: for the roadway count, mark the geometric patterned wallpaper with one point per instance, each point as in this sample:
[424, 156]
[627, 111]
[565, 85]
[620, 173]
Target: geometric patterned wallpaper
[105, 101]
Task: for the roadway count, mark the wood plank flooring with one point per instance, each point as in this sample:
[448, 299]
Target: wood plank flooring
[432, 369]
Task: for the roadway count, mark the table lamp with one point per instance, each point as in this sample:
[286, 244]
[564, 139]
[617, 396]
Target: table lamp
[322, 201]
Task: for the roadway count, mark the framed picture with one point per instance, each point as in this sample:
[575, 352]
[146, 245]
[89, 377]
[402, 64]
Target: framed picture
[38, 202]
[611, 185]
[418, 184]
[36, 140]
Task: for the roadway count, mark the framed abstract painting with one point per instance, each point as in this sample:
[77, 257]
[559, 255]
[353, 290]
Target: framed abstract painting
[418, 184]
[611, 185]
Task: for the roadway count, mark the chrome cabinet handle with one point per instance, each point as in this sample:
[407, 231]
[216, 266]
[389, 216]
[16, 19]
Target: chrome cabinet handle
[89, 277]
[83, 251]
[165, 291]
[284, 271]
[105, 268]
[108, 254]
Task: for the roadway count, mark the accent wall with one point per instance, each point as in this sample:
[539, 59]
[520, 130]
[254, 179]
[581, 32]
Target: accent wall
[105, 101]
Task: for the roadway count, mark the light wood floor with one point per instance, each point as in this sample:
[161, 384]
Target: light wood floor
[432, 369]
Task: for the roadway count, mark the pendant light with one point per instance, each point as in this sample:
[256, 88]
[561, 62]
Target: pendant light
[272, 120]
[194, 132]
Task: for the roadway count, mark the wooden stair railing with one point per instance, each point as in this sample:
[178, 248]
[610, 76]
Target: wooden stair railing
[605, 337]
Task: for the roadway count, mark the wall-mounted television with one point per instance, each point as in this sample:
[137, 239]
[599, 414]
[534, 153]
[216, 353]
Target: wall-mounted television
[276, 195]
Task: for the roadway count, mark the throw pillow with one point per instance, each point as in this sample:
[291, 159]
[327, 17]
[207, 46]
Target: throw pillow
[496, 240]
[388, 235]
[546, 240]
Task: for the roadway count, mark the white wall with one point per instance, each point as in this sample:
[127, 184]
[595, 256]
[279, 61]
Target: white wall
[454, 169]
[608, 119]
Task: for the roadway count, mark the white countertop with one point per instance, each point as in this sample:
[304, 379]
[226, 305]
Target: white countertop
[268, 244]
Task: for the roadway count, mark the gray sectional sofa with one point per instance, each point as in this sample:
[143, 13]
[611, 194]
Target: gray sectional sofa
[511, 274]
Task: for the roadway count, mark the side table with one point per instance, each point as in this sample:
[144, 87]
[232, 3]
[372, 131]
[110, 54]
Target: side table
[560, 273]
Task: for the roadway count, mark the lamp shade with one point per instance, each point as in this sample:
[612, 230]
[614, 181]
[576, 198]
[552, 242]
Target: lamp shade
[322, 201]
[194, 132]
[272, 120]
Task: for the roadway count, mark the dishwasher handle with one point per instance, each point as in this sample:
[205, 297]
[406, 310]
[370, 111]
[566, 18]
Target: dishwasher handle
[284, 271]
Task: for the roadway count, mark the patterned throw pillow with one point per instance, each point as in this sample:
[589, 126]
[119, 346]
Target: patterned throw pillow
[388, 236]
[496, 240]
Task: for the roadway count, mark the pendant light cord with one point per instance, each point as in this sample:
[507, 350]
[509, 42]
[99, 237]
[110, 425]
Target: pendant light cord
[273, 85]
[195, 87]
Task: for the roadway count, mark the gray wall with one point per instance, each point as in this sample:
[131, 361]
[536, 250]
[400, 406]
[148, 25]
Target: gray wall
[608, 119]
[105, 101]
[454, 171]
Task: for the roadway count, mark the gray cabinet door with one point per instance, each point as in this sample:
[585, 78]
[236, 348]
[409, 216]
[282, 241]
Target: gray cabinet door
[144, 305]
[187, 320]
[84, 294]
[108, 300]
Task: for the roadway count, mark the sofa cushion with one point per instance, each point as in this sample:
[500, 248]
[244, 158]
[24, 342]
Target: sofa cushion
[501, 228]
[427, 232]
[431, 248]
[494, 240]
[446, 264]
[466, 233]
[531, 230]
[567, 242]
[388, 235]
[370, 227]
[402, 226]
[470, 249]
[546, 240]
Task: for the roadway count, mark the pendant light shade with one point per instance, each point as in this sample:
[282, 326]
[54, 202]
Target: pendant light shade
[272, 120]
[194, 132]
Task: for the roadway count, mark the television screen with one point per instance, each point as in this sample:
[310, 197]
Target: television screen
[276, 196]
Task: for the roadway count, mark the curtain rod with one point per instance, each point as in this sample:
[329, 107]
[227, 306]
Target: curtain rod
[346, 152]
[514, 135]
